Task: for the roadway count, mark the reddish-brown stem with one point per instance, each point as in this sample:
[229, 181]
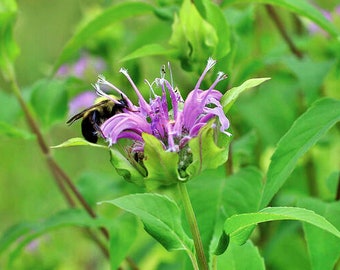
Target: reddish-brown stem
[229, 163]
[60, 177]
[279, 24]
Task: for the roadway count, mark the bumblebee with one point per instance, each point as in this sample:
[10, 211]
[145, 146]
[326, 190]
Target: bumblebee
[94, 116]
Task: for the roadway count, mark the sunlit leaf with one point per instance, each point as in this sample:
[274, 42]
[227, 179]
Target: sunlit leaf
[304, 133]
[232, 94]
[161, 218]
[243, 257]
[324, 248]
[147, 50]
[78, 142]
[236, 225]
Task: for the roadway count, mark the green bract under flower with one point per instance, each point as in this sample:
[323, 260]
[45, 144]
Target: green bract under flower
[166, 142]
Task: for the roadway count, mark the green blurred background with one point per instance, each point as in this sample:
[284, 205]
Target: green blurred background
[260, 118]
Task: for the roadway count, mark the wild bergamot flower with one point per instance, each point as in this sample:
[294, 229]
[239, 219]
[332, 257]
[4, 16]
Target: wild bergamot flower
[168, 141]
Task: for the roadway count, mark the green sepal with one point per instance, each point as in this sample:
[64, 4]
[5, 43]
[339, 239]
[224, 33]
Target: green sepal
[125, 169]
[162, 166]
[206, 153]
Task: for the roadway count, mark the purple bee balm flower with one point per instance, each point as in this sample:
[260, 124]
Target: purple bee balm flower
[82, 66]
[172, 123]
[313, 28]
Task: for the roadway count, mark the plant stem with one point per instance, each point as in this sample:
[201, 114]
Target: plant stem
[61, 178]
[191, 218]
[279, 24]
[337, 197]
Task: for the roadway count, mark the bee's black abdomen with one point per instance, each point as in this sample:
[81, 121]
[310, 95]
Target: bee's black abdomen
[88, 130]
[94, 116]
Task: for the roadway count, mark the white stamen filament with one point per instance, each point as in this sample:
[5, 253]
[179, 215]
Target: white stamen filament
[210, 64]
[220, 77]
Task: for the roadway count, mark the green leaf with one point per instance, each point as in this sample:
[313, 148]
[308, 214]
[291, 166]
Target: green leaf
[217, 19]
[8, 48]
[49, 100]
[147, 50]
[161, 218]
[111, 15]
[301, 7]
[237, 225]
[193, 37]
[161, 165]
[14, 132]
[206, 154]
[223, 243]
[245, 257]
[223, 197]
[133, 174]
[303, 134]
[78, 142]
[26, 232]
[122, 235]
[232, 94]
[10, 110]
[244, 192]
[267, 103]
[324, 248]
[13, 233]
[310, 74]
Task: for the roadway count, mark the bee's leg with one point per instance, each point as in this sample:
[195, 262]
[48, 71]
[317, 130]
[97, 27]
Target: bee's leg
[95, 123]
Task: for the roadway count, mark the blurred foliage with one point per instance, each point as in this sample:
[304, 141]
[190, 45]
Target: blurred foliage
[295, 115]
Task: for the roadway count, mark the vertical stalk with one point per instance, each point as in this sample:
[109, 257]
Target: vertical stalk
[190, 215]
[60, 177]
[280, 26]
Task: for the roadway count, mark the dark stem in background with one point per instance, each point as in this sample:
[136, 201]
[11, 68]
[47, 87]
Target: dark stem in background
[311, 172]
[61, 178]
[229, 164]
[280, 26]
[337, 197]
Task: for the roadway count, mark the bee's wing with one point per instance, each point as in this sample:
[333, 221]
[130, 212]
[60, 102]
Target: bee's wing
[83, 112]
[76, 117]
